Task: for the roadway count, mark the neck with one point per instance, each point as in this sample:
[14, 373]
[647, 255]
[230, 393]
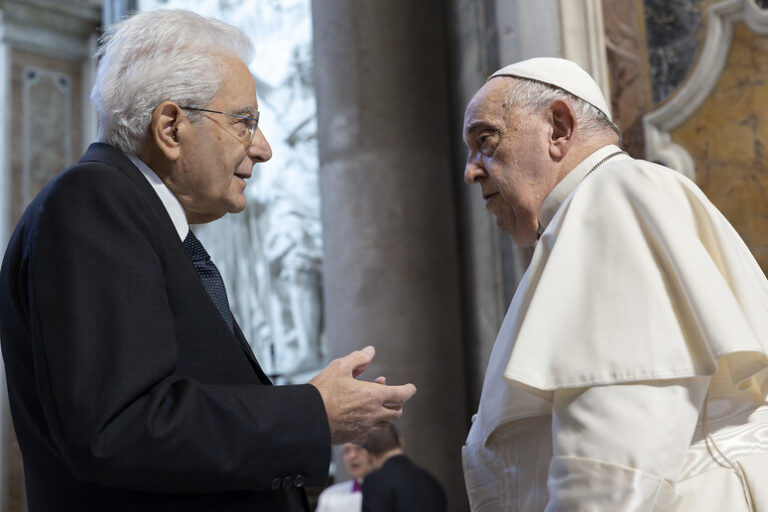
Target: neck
[381, 459]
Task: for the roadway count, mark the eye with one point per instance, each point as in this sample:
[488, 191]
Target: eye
[487, 141]
[243, 126]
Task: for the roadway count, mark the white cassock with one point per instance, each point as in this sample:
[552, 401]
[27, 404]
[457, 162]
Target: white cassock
[341, 497]
[631, 370]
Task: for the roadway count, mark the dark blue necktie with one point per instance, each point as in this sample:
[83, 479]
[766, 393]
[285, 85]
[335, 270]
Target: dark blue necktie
[210, 276]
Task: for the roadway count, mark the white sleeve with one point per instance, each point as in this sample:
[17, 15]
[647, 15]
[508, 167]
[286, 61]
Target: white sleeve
[621, 447]
[321, 504]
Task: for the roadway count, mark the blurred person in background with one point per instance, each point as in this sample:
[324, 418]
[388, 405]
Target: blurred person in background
[397, 484]
[347, 496]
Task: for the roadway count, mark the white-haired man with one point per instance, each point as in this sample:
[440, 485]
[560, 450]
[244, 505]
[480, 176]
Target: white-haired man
[641, 313]
[131, 385]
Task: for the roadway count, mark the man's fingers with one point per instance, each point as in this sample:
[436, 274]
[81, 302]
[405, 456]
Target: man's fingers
[380, 380]
[387, 415]
[356, 362]
[397, 394]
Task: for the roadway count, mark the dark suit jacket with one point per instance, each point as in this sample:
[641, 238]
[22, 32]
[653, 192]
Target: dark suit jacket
[401, 486]
[127, 390]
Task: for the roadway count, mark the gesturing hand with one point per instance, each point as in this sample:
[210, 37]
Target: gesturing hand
[353, 406]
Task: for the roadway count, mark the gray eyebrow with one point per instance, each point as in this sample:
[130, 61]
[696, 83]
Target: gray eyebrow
[246, 111]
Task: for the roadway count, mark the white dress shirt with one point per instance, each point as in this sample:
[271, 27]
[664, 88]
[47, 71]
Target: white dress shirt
[171, 203]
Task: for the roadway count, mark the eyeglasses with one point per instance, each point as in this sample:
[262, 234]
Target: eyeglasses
[248, 125]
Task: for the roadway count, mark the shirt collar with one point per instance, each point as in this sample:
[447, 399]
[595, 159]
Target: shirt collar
[563, 189]
[171, 203]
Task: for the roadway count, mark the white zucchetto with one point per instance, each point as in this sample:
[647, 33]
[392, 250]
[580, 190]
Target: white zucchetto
[562, 73]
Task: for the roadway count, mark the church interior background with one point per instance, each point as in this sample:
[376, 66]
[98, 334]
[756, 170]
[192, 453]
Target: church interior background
[360, 230]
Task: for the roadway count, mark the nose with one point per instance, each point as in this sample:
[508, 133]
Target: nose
[259, 150]
[473, 172]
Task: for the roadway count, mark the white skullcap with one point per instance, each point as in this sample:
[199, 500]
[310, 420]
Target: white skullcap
[561, 73]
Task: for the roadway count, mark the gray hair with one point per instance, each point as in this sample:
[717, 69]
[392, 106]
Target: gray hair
[536, 96]
[152, 57]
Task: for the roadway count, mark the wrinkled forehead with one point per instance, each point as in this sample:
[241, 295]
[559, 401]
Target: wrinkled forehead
[237, 91]
[489, 106]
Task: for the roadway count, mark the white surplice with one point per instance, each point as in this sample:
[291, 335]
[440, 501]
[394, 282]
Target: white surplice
[340, 497]
[641, 308]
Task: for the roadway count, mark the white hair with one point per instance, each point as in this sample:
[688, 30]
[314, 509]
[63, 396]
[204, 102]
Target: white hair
[152, 57]
[536, 96]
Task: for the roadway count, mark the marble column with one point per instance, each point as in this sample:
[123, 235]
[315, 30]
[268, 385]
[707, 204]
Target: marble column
[391, 275]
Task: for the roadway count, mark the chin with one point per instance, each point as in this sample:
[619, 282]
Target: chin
[238, 206]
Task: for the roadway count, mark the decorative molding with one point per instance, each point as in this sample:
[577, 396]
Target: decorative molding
[58, 29]
[42, 40]
[659, 124]
[582, 32]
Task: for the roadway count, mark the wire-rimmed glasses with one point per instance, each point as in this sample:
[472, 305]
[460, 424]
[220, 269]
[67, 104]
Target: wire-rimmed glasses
[248, 124]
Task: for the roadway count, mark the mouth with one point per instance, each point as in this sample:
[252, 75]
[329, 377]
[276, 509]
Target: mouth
[242, 177]
[489, 196]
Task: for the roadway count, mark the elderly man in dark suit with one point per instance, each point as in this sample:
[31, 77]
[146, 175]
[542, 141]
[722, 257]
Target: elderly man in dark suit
[131, 386]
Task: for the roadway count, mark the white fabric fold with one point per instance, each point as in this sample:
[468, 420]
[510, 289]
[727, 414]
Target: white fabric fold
[611, 424]
[611, 486]
[509, 472]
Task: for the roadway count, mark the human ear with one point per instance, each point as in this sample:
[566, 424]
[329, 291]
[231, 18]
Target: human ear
[563, 122]
[165, 129]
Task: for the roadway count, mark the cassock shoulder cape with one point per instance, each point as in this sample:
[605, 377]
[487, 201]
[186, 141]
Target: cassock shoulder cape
[637, 277]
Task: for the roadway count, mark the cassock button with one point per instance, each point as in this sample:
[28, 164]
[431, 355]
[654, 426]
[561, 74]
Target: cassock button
[287, 482]
[276, 482]
[298, 481]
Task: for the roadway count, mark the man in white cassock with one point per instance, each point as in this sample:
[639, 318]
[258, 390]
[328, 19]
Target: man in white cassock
[631, 370]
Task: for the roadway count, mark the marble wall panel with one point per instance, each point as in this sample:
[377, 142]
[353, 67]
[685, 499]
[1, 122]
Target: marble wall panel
[726, 139]
[627, 56]
[46, 117]
[673, 34]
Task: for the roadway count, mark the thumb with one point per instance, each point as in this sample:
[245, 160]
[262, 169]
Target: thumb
[356, 362]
